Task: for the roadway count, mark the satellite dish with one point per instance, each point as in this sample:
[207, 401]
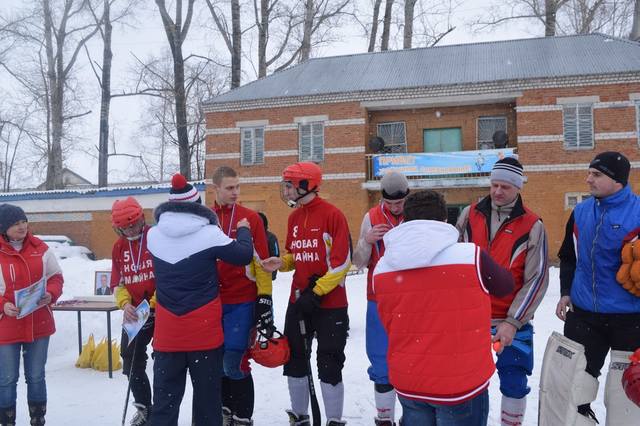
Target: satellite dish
[376, 144]
[500, 139]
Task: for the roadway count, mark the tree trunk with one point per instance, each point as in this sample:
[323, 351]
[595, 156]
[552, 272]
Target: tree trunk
[386, 25]
[236, 36]
[105, 103]
[305, 49]
[374, 26]
[550, 10]
[409, 10]
[263, 33]
[635, 29]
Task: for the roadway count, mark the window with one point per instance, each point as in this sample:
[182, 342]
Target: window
[578, 126]
[394, 136]
[571, 199]
[311, 139]
[487, 126]
[442, 140]
[252, 146]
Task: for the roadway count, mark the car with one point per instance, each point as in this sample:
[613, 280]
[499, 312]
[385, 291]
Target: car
[65, 247]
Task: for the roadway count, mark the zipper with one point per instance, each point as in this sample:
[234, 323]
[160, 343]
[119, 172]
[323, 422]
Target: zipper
[593, 262]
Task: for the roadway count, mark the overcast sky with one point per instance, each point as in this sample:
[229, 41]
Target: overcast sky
[146, 37]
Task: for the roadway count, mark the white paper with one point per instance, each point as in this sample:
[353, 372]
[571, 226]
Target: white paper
[27, 298]
[133, 328]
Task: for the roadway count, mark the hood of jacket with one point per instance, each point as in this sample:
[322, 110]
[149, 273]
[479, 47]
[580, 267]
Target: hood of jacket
[414, 244]
[177, 219]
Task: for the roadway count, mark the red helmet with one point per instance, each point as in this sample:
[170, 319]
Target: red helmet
[305, 175]
[126, 212]
[631, 379]
[271, 351]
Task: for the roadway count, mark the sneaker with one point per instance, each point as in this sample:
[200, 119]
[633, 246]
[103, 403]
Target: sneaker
[298, 419]
[237, 421]
[142, 416]
[227, 417]
[383, 422]
[586, 411]
[336, 422]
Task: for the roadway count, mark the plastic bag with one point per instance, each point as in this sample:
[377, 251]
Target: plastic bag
[100, 360]
[86, 356]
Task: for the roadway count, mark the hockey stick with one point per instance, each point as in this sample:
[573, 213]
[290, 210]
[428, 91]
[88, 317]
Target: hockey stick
[126, 401]
[315, 408]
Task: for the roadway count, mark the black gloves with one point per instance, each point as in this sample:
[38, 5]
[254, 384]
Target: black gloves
[308, 302]
[264, 315]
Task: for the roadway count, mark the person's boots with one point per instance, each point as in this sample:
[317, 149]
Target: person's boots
[237, 421]
[336, 422]
[227, 417]
[142, 417]
[8, 416]
[383, 422]
[37, 410]
[298, 419]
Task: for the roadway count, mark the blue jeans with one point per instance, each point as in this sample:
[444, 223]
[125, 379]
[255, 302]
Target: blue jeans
[237, 323]
[377, 343]
[35, 358]
[473, 412]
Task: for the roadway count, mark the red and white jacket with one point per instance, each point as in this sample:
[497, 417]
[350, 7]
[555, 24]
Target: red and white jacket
[20, 269]
[436, 312]
[132, 271]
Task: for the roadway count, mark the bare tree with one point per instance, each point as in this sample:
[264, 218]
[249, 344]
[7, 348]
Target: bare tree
[544, 11]
[374, 25]
[318, 16]
[386, 25]
[266, 14]
[176, 31]
[635, 29]
[232, 38]
[409, 12]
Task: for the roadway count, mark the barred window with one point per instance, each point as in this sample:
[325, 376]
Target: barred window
[394, 136]
[578, 126]
[487, 126]
[252, 146]
[571, 199]
[311, 140]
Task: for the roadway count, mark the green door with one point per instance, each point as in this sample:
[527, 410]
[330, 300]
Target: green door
[443, 140]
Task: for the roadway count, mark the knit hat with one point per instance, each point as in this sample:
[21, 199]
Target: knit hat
[612, 164]
[508, 170]
[181, 190]
[9, 216]
[394, 186]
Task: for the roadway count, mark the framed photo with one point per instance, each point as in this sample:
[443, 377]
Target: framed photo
[102, 283]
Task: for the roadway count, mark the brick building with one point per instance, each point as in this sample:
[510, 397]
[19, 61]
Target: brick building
[560, 100]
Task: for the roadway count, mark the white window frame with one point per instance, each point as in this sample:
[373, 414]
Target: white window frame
[316, 142]
[579, 196]
[489, 142]
[404, 130]
[581, 126]
[256, 144]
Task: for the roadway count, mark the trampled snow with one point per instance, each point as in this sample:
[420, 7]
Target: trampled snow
[88, 397]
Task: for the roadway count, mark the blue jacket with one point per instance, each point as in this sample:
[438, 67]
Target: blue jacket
[600, 228]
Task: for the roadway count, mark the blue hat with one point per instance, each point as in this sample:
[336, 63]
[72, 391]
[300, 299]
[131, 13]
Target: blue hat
[9, 216]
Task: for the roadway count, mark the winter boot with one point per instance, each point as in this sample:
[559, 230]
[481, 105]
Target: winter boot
[298, 419]
[37, 410]
[383, 422]
[142, 416]
[336, 422]
[237, 421]
[227, 417]
[8, 416]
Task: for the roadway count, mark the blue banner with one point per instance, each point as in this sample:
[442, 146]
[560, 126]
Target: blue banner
[439, 163]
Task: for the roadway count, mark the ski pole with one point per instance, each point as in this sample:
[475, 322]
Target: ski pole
[126, 401]
[315, 408]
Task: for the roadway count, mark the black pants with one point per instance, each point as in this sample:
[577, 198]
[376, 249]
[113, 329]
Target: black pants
[330, 327]
[601, 332]
[134, 361]
[169, 380]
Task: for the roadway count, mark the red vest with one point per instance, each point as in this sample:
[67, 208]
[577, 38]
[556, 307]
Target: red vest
[508, 248]
[378, 215]
[133, 265]
[438, 321]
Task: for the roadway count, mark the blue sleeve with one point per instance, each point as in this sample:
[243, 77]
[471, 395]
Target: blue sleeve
[240, 251]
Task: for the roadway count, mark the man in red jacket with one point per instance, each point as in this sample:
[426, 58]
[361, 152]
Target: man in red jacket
[432, 295]
[376, 223]
[516, 239]
[133, 281]
[318, 250]
[245, 292]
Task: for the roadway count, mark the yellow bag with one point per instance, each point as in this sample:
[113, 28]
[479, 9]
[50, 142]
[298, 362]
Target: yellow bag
[100, 360]
[84, 360]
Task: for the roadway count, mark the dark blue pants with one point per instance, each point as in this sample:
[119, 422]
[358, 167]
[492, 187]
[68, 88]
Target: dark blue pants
[134, 362]
[169, 379]
[473, 412]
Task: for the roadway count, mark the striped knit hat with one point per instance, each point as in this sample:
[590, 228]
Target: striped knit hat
[181, 190]
[508, 170]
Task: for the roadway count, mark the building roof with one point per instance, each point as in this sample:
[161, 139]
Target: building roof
[463, 64]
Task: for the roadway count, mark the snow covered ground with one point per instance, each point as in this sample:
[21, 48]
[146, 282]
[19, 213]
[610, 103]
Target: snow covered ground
[85, 396]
